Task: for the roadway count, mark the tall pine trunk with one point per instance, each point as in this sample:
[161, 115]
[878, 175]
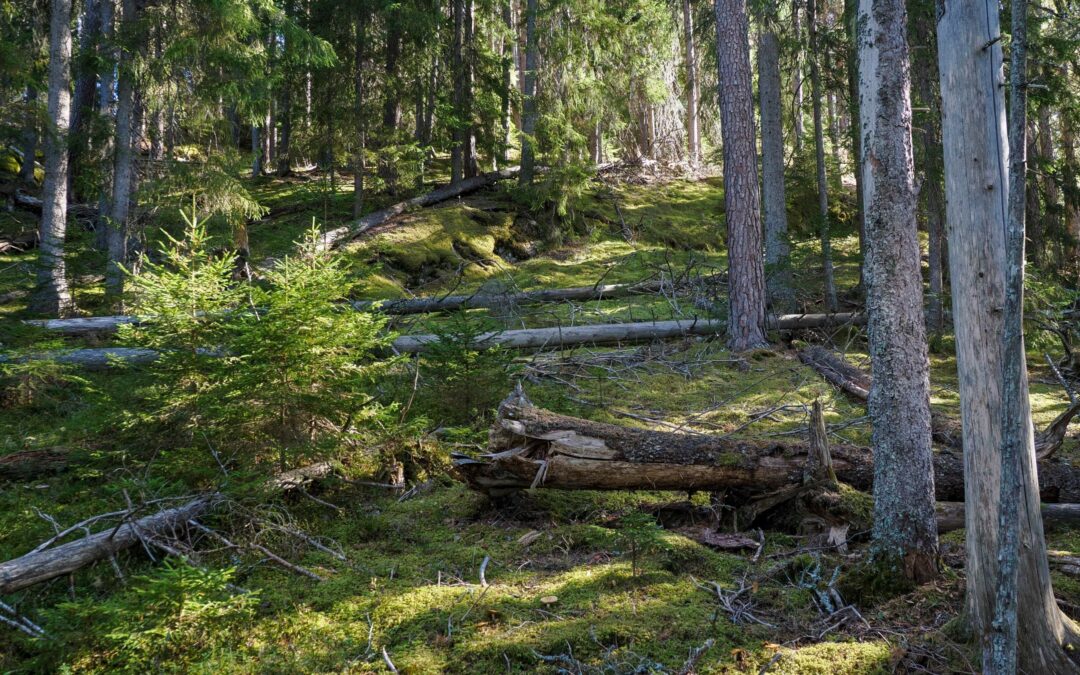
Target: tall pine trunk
[358, 111]
[123, 160]
[29, 137]
[797, 79]
[528, 115]
[905, 523]
[693, 133]
[82, 105]
[777, 247]
[508, 56]
[52, 295]
[391, 105]
[975, 150]
[742, 203]
[819, 153]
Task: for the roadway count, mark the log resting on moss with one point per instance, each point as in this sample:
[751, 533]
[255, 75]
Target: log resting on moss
[856, 382]
[532, 447]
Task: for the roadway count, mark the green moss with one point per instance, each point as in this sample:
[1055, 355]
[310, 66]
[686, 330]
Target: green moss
[874, 580]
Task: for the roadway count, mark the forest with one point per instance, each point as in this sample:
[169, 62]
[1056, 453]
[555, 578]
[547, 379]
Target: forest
[539, 336]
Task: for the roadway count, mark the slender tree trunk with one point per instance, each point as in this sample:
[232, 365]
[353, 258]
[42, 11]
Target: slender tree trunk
[693, 133]
[82, 105]
[925, 78]
[1051, 194]
[1071, 194]
[29, 138]
[391, 105]
[256, 151]
[819, 151]
[850, 14]
[797, 79]
[109, 57]
[457, 55]
[742, 203]
[471, 166]
[508, 56]
[834, 138]
[777, 247]
[528, 116]
[361, 123]
[123, 161]
[52, 295]
[975, 150]
[1035, 216]
[905, 524]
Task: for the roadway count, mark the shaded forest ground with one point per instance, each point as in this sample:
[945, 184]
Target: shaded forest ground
[562, 592]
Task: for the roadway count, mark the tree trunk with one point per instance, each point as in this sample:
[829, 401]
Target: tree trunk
[256, 151]
[742, 204]
[358, 110]
[975, 155]
[797, 79]
[777, 247]
[52, 295]
[693, 134]
[1071, 194]
[472, 168]
[82, 105]
[528, 116]
[904, 523]
[124, 161]
[819, 152]
[850, 14]
[29, 139]
[1051, 194]
[508, 56]
[457, 64]
[391, 105]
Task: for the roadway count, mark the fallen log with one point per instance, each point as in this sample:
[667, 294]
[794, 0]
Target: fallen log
[856, 382]
[950, 515]
[336, 237]
[531, 447]
[529, 338]
[109, 324]
[18, 243]
[32, 204]
[32, 464]
[43, 564]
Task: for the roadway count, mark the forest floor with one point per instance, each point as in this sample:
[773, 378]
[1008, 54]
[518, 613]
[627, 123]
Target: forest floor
[567, 590]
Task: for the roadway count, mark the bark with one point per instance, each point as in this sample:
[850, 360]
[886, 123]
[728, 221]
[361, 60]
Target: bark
[256, 151]
[899, 401]
[777, 247]
[123, 161]
[52, 295]
[975, 152]
[29, 139]
[508, 56]
[819, 153]
[950, 515]
[32, 464]
[1071, 195]
[82, 105]
[1051, 194]
[797, 80]
[850, 15]
[391, 104]
[457, 64]
[359, 162]
[693, 133]
[529, 112]
[285, 115]
[742, 203]
[337, 237]
[924, 81]
[532, 447]
[471, 166]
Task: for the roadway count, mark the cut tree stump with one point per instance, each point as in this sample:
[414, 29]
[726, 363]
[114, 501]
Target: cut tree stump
[530, 447]
[856, 382]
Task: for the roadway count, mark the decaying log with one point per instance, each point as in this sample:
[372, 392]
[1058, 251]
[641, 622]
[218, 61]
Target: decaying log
[950, 515]
[18, 243]
[856, 382]
[49, 563]
[531, 447]
[337, 237]
[32, 464]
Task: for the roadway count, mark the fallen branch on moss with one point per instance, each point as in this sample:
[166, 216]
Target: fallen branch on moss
[337, 237]
[44, 563]
[534, 448]
[32, 464]
[856, 382]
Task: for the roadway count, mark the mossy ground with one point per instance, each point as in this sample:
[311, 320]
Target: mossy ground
[411, 581]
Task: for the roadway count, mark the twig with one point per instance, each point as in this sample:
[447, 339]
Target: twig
[483, 567]
[695, 655]
[1061, 379]
[389, 663]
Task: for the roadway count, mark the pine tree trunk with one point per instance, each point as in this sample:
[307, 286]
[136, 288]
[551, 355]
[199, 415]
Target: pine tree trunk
[850, 12]
[472, 168]
[82, 105]
[905, 524]
[1051, 194]
[925, 83]
[819, 152]
[777, 247]
[1071, 195]
[508, 56]
[797, 80]
[107, 75]
[693, 133]
[123, 162]
[52, 295]
[975, 155]
[391, 105]
[29, 138]
[358, 110]
[457, 65]
[528, 116]
[256, 151]
[742, 203]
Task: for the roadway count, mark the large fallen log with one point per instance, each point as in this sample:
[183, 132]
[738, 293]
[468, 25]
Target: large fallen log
[856, 382]
[18, 243]
[950, 515]
[529, 338]
[109, 324]
[43, 564]
[531, 447]
[336, 237]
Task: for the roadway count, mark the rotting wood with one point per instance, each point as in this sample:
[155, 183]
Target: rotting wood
[530, 338]
[950, 515]
[42, 565]
[27, 464]
[531, 447]
[856, 382]
[338, 236]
